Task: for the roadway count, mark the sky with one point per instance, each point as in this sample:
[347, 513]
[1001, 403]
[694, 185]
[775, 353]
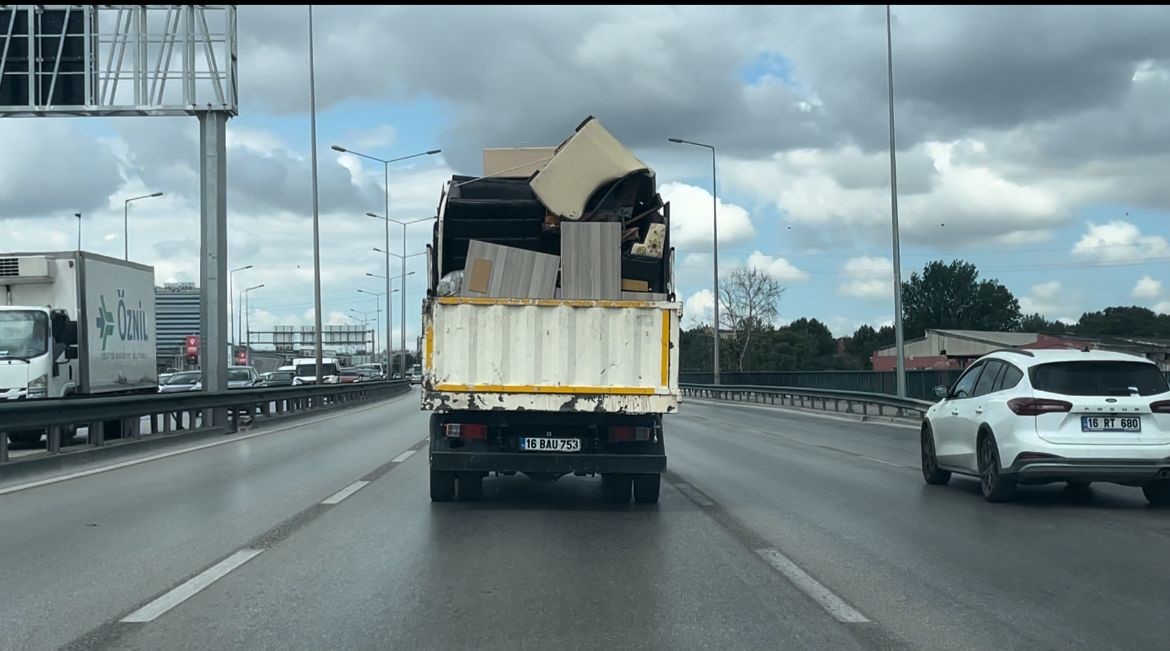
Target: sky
[1031, 141]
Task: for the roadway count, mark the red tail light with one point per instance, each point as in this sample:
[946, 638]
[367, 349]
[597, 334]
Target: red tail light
[1037, 406]
[624, 433]
[621, 434]
[467, 431]
[1160, 407]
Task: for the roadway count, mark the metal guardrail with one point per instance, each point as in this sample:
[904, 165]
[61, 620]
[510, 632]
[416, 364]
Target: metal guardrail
[855, 402]
[171, 412]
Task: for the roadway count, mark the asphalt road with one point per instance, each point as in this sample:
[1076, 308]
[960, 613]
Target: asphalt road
[775, 530]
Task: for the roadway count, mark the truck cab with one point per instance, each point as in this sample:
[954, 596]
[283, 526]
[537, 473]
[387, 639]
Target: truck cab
[33, 362]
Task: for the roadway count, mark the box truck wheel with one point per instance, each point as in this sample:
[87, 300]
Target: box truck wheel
[616, 488]
[442, 485]
[470, 486]
[646, 488]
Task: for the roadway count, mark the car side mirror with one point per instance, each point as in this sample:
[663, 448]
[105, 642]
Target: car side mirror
[942, 391]
[71, 351]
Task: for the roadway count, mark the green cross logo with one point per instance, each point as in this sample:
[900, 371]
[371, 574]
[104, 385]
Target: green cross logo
[105, 323]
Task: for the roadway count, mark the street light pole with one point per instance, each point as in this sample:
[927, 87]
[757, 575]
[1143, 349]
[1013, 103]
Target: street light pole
[714, 244]
[248, 321]
[126, 221]
[377, 307]
[389, 305]
[318, 336]
[236, 312]
[78, 216]
[899, 337]
[403, 257]
[386, 185]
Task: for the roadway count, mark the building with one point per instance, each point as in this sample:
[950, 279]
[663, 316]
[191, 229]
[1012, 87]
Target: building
[176, 316]
[956, 349]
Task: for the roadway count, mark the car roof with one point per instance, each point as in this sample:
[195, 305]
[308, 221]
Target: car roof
[1030, 358]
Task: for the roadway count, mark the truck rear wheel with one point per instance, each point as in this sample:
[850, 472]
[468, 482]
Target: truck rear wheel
[616, 488]
[442, 485]
[470, 486]
[646, 488]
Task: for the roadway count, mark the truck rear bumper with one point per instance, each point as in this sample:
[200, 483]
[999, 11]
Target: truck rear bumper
[546, 462]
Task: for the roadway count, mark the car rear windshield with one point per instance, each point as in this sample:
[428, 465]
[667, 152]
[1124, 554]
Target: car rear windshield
[310, 370]
[239, 376]
[1098, 378]
[183, 378]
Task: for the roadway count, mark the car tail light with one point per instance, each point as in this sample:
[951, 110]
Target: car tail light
[626, 433]
[1160, 407]
[467, 431]
[1037, 406]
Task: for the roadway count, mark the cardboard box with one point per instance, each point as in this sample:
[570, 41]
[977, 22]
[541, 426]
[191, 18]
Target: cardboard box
[630, 285]
[496, 271]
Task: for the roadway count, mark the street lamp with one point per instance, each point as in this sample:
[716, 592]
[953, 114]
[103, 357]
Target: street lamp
[126, 221]
[248, 320]
[366, 320]
[78, 216]
[899, 339]
[714, 241]
[377, 311]
[239, 301]
[386, 184]
[389, 310]
[403, 257]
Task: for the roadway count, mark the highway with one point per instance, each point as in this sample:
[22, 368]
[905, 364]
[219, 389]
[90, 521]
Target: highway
[776, 529]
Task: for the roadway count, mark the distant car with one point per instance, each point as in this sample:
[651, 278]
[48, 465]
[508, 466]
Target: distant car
[415, 374]
[179, 382]
[1043, 416]
[306, 371]
[278, 379]
[239, 377]
[349, 375]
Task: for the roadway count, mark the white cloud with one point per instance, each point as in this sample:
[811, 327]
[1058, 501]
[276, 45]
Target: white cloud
[690, 216]
[1120, 241]
[1147, 287]
[699, 309]
[1163, 307]
[1050, 299]
[868, 277]
[778, 268]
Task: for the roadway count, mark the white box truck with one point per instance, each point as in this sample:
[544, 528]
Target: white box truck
[75, 324]
[541, 385]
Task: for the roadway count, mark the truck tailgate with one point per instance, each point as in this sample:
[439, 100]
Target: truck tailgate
[552, 355]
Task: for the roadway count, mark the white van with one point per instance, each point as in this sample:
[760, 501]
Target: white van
[305, 369]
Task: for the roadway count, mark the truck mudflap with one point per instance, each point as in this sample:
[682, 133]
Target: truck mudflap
[546, 462]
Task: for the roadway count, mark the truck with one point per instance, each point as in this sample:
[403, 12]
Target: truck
[542, 365]
[75, 324]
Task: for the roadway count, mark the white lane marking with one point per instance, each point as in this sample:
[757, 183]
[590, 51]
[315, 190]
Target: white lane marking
[888, 463]
[803, 412]
[160, 606]
[164, 455]
[834, 605]
[694, 495]
[345, 492]
[403, 457]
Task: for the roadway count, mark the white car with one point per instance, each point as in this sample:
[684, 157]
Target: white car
[1042, 416]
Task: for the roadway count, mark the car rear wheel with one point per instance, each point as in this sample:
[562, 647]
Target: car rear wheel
[1158, 492]
[442, 485]
[931, 473]
[995, 487]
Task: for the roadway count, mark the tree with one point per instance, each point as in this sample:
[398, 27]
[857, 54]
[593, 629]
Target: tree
[749, 299]
[952, 296]
[1038, 323]
[1124, 321]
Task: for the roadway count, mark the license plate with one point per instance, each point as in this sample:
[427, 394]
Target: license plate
[541, 444]
[1111, 424]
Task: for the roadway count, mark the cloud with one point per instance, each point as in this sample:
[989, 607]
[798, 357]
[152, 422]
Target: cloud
[778, 268]
[1163, 307]
[699, 309]
[868, 277]
[1120, 241]
[1050, 299]
[54, 167]
[690, 216]
[1147, 287]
